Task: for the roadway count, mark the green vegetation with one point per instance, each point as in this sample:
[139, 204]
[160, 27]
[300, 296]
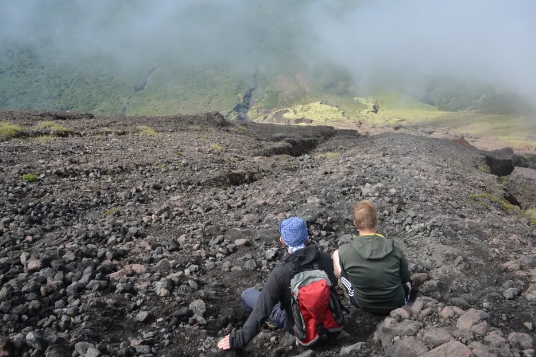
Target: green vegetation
[55, 128]
[216, 147]
[484, 168]
[284, 87]
[30, 178]
[485, 199]
[146, 130]
[8, 130]
[44, 139]
[531, 215]
[113, 211]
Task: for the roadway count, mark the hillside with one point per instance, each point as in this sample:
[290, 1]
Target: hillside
[125, 236]
[246, 60]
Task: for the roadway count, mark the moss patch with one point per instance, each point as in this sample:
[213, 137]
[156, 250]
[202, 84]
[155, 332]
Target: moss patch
[146, 130]
[8, 130]
[316, 112]
[486, 199]
[216, 147]
[54, 127]
[30, 178]
[484, 168]
[112, 211]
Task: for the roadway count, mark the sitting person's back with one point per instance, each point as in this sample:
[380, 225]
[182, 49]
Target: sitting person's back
[371, 268]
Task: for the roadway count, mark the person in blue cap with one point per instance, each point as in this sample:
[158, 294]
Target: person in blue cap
[273, 303]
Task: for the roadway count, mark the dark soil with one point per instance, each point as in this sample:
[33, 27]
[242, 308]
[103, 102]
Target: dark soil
[121, 224]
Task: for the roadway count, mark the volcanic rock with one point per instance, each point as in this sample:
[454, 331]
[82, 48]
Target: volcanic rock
[520, 187]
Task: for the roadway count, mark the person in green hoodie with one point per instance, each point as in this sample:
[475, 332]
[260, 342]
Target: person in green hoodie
[371, 268]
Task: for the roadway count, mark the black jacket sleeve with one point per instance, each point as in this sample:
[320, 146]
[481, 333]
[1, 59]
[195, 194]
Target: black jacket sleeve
[269, 297]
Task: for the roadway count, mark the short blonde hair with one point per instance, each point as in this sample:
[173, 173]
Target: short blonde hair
[365, 215]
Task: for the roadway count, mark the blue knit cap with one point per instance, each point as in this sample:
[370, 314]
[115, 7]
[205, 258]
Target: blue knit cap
[294, 232]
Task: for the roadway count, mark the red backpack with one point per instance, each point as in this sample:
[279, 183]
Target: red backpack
[316, 309]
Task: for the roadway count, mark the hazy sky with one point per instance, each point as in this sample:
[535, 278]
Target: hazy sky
[488, 40]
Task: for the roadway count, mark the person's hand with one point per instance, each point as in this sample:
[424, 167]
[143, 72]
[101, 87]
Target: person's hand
[225, 343]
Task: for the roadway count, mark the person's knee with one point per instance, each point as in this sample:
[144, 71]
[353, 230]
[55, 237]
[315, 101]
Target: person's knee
[247, 292]
[249, 298]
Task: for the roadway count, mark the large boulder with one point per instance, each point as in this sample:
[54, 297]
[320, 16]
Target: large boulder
[522, 186]
[501, 162]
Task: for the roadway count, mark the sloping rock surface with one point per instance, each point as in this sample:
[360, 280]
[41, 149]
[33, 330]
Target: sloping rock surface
[132, 243]
[522, 186]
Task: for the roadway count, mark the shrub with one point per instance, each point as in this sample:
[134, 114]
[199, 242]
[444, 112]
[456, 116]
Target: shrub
[30, 178]
[146, 130]
[216, 147]
[8, 130]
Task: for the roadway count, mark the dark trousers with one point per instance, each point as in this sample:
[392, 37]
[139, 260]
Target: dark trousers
[277, 317]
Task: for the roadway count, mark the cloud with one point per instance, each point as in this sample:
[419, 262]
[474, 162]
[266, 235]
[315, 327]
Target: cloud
[492, 41]
[408, 42]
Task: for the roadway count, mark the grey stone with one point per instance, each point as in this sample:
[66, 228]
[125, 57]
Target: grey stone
[511, 293]
[453, 349]
[434, 337]
[406, 347]
[199, 320]
[92, 352]
[163, 288]
[353, 349]
[459, 302]
[520, 341]
[520, 186]
[69, 256]
[5, 294]
[143, 349]
[35, 265]
[242, 242]
[34, 340]
[250, 264]
[390, 328]
[198, 307]
[471, 318]
[271, 254]
[143, 316]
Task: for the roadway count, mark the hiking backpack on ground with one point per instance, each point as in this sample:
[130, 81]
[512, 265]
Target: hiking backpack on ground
[316, 309]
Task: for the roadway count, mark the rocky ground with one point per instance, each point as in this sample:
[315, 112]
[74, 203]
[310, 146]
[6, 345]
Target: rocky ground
[132, 242]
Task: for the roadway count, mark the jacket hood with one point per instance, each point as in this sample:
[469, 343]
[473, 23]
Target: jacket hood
[373, 246]
[303, 256]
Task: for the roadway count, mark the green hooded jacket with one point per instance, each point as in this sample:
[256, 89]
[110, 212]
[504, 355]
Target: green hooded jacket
[376, 268]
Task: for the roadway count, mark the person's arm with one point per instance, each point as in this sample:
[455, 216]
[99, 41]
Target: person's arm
[269, 297]
[336, 264]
